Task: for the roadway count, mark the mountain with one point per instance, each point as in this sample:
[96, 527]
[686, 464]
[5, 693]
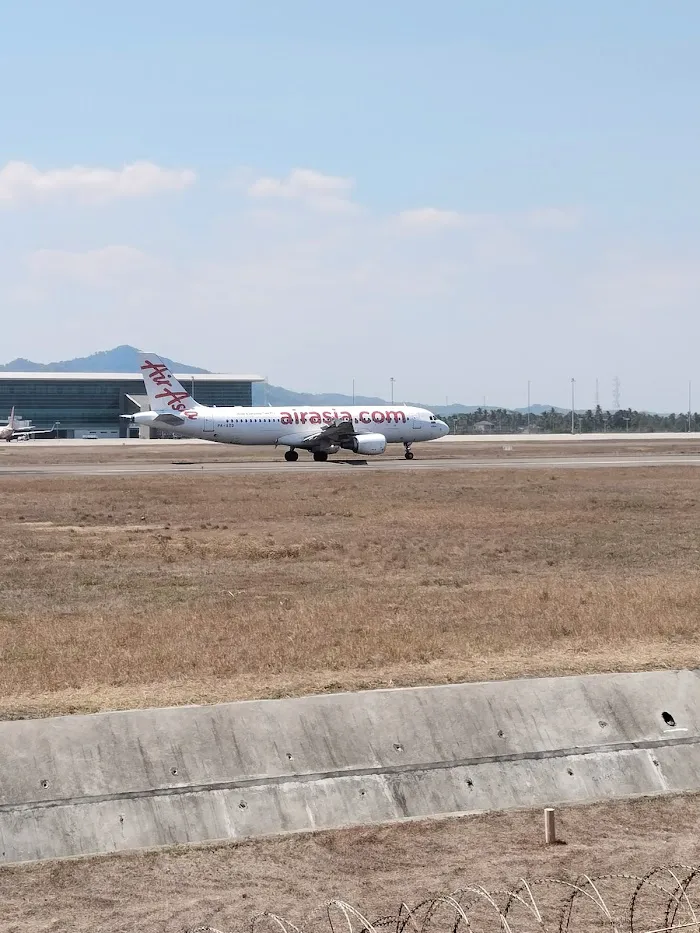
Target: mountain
[542, 410]
[124, 360]
[281, 398]
[119, 360]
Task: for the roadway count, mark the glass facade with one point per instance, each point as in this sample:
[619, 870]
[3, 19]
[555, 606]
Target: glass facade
[82, 405]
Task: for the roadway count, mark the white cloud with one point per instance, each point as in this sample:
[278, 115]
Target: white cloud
[108, 267]
[555, 218]
[313, 189]
[430, 218]
[20, 181]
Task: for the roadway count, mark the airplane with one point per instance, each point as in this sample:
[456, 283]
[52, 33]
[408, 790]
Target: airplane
[363, 430]
[10, 430]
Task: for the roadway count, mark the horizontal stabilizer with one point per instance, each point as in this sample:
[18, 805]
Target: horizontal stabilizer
[171, 419]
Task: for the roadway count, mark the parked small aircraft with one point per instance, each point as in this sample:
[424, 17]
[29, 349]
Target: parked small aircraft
[10, 431]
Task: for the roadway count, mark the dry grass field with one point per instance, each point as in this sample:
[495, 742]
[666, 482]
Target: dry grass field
[147, 590]
[375, 869]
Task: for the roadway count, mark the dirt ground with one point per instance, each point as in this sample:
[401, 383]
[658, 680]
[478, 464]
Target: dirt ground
[150, 590]
[373, 869]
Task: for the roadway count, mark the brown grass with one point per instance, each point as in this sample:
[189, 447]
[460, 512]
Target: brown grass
[373, 868]
[133, 591]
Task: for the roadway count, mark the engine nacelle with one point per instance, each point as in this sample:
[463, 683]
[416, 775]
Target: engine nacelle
[369, 444]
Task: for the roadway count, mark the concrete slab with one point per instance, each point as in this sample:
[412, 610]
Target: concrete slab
[107, 782]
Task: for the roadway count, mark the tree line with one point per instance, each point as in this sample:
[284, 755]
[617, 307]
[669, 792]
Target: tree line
[503, 421]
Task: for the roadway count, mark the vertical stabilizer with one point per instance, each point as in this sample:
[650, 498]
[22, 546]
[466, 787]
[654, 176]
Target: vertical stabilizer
[11, 422]
[164, 391]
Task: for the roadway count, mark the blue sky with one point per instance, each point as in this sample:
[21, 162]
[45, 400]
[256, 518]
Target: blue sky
[463, 195]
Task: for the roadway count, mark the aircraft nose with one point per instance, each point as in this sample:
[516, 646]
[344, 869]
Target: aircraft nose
[444, 428]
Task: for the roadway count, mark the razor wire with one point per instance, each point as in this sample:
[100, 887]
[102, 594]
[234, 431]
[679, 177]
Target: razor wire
[664, 900]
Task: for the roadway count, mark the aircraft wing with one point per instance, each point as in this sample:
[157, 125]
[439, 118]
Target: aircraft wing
[333, 433]
[323, 435]
[336, 432]
[28, 432]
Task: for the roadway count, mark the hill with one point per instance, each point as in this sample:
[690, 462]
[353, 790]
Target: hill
[279, 397]
[119, 360]
[124, 359]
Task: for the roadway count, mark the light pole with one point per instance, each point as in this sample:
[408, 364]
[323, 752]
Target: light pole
[573, 405]
[528, 406]
[690, 403]
[353, 391]
[392, 381]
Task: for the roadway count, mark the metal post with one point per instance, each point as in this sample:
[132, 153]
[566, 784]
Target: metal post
[690, 403]
[353, 391]
[392, 380]
[573, 406]
[550, 833]
[528, 406]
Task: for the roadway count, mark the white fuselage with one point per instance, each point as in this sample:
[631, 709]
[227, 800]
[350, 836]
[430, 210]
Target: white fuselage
[292, 427]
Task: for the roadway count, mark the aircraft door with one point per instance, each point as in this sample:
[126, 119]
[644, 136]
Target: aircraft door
[417, 423]
[208, 423]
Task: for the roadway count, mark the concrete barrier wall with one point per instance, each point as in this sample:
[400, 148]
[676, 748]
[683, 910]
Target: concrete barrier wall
[87, 784]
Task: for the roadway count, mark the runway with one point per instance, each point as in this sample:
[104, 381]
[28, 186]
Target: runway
[304, 467]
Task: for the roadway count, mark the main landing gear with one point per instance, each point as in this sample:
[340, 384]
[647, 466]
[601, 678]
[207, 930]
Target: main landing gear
[408, 452]
[320, 456]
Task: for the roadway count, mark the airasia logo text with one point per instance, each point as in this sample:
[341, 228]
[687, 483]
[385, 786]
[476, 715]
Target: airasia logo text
[394, 416]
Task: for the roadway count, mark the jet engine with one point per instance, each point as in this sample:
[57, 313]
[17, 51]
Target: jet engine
[368, 444]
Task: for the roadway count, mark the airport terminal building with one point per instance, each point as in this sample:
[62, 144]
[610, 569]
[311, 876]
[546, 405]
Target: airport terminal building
[91, 403]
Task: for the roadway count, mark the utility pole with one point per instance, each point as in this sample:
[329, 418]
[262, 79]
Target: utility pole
[528, 406]
[573, 406]
[597, 394]
[392, 381]
[690, 403]
[353, 391]
[616, 393]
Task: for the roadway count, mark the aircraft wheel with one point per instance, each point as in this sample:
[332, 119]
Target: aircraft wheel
[291, 455]
[409, 455]
[320, 456]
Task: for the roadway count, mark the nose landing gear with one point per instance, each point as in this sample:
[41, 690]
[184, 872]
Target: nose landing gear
[291, 455]
[408, 454]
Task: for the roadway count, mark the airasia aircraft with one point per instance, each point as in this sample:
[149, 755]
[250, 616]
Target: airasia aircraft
[363, 430]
